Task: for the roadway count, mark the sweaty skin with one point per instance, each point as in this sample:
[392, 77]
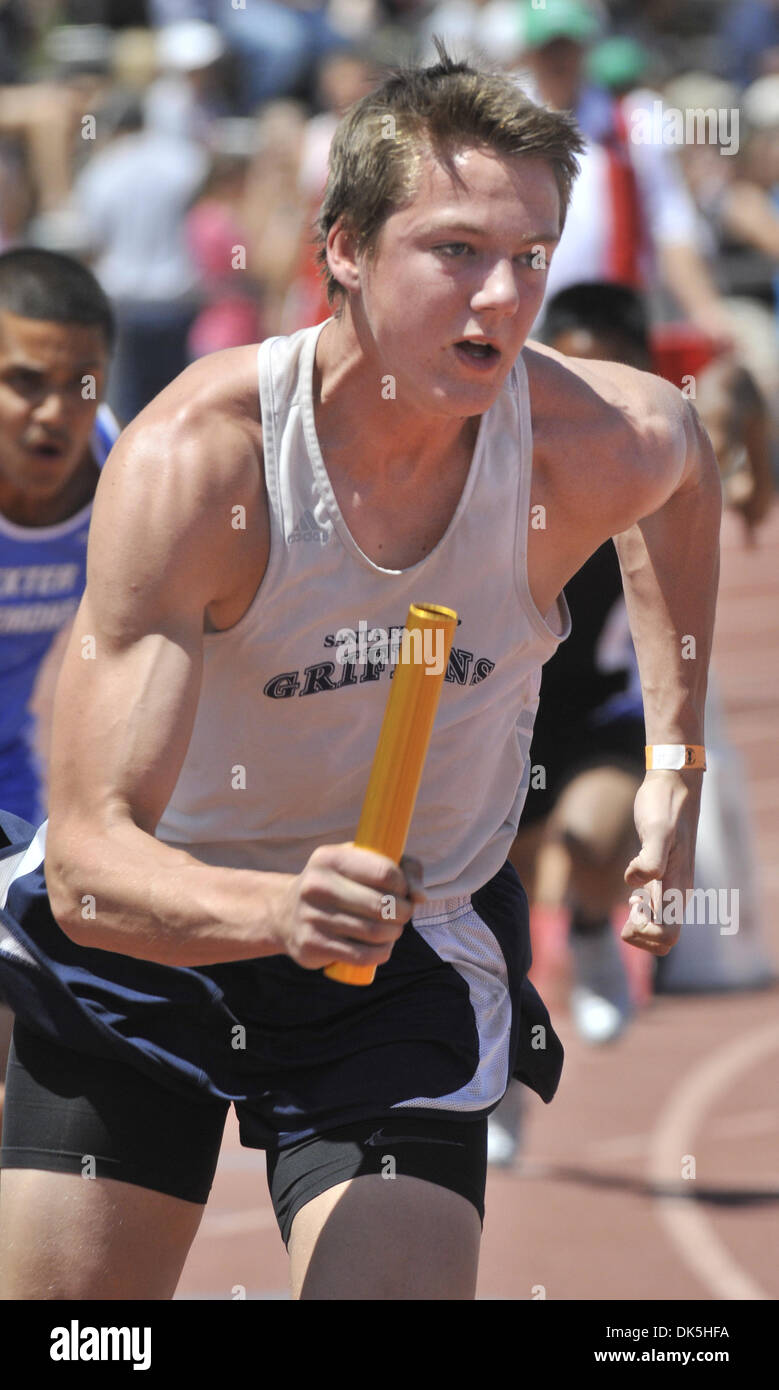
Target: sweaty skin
[616, 452]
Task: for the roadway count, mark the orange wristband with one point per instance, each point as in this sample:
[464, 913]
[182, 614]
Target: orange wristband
[673, 757]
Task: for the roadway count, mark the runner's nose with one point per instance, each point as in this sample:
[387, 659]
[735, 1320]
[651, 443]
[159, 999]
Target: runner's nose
[498, 289]
[52, 408]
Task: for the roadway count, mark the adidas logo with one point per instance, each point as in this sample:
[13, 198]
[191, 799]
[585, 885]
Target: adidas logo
[307, 530]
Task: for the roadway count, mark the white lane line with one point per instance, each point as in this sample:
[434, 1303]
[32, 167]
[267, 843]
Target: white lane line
[621, 1146]
[684, 1221]
[237, 1223]
[729, 1127]
[749, 1122]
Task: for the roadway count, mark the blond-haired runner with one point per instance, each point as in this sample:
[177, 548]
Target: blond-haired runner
[211, 750]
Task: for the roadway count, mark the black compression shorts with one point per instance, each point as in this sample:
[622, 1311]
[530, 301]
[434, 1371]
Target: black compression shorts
[65, 1110]
[566, 751]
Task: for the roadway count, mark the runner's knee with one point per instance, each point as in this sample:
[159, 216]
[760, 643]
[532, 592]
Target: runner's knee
[594, 818]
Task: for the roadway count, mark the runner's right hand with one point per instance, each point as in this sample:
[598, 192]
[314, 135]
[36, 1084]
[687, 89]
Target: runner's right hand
[348, 904]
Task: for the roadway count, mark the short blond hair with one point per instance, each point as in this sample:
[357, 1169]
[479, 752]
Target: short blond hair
[376, 150]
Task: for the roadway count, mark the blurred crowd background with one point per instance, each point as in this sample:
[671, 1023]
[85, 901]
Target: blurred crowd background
[179, 147]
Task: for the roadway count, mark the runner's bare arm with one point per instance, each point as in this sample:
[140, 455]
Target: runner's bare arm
[643, 472]
[163, 560]
[670, 568]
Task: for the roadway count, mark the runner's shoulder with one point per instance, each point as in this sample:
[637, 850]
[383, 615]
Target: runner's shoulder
[202, 433]
[606, 396]
[630, 426]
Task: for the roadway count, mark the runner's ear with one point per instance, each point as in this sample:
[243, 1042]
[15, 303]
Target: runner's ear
[342, 256]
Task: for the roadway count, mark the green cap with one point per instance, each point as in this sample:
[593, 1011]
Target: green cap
[546, 20]
[617, 62]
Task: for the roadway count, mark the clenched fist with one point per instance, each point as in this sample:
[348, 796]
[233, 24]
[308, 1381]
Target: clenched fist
[348, 904]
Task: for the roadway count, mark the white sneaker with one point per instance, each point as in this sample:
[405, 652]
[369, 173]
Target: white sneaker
[503, 1128]
[501, 1146]
[600, 999]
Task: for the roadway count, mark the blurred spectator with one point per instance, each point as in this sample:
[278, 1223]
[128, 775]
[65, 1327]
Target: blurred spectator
[218, 241]
[17, 194]
[163, 12]
[739, 214]
[618, 64]
[749, 39]
[133, 196]
[48, 115]
[16, 33]
[43, 117]
[631, 218]
[188, 96]
[409, 11]
[342, 79]
[473, 28]
[738, 227]
[134, 59]
[280, 218]
[761, 155]
[276, 45]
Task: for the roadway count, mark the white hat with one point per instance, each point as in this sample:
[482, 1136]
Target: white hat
[691, 90]
[190, 45]
[760, 102]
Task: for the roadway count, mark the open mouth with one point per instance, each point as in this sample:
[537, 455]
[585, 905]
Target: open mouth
[46, 450]
[477, 353]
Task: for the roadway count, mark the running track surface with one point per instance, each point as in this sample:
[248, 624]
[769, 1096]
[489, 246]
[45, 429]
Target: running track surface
[597, 1207]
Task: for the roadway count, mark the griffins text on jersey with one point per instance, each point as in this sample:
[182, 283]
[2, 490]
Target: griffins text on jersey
[365, 654]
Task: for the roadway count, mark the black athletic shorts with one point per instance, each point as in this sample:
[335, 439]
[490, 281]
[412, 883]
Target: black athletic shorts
[565, 751]
[325, 1077]
[70, 1113]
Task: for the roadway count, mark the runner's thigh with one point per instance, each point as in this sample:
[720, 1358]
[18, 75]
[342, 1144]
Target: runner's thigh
[370, 1238]
[62, 1237]
[105, 1175]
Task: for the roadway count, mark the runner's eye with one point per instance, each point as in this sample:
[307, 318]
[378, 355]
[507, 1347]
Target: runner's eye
[453, 248]
[23, 380]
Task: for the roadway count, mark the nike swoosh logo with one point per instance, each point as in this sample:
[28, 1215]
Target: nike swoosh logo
[379, 1138]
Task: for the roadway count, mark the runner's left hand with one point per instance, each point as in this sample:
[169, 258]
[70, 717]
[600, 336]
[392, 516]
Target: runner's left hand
[666, 815]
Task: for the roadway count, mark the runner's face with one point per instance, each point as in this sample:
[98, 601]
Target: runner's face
[457, 278]
[47, 410]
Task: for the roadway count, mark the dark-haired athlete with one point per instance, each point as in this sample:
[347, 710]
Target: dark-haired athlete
[211, 752]
[589, 733]
[56, 328]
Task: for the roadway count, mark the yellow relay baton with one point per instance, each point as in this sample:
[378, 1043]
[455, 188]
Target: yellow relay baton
[402, 748]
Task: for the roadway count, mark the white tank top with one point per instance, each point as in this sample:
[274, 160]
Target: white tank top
[285, 732]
